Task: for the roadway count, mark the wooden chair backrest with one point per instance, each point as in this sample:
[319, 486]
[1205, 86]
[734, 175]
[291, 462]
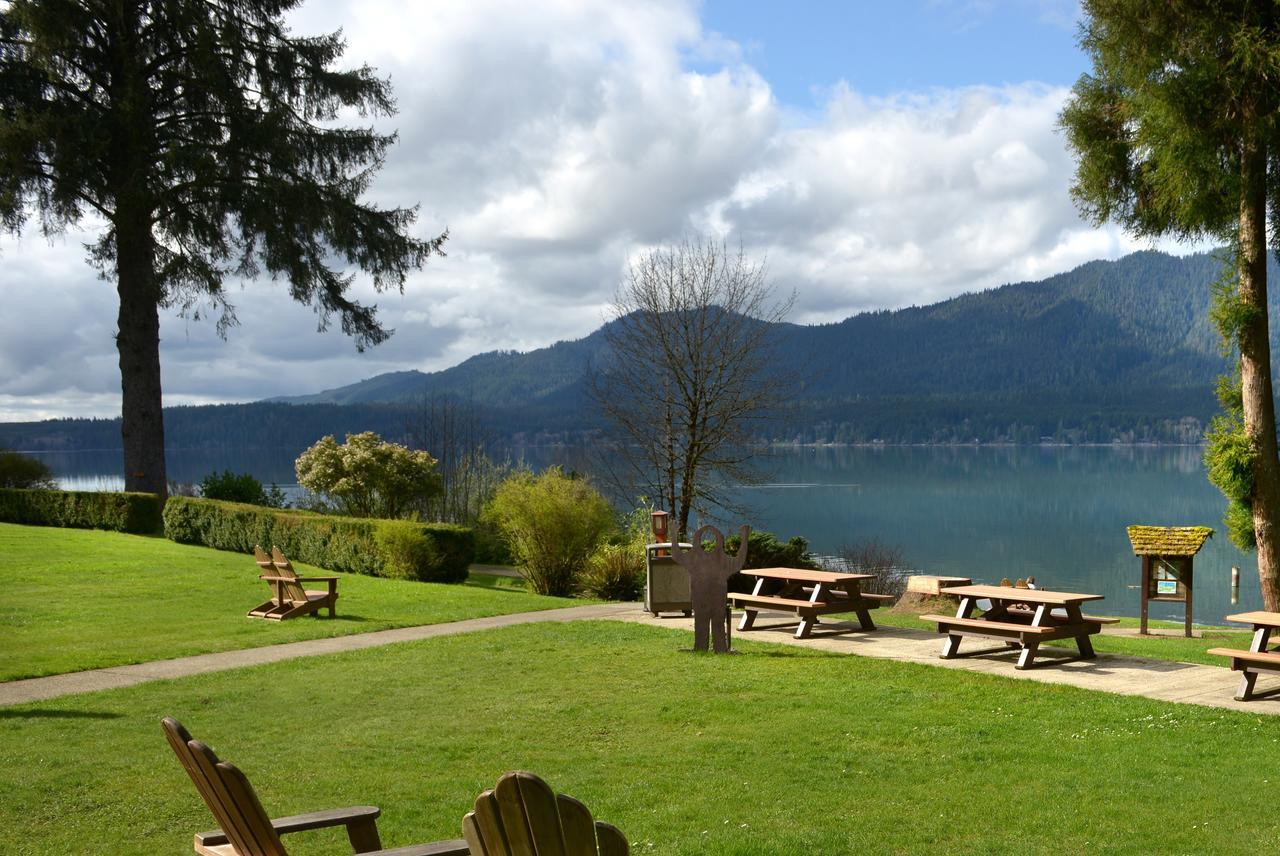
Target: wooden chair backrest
[227, 793]
[522, 816]
[282, 567]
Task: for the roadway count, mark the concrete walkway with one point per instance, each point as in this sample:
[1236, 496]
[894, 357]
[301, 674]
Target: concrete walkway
[41, 689]
[1209, 686]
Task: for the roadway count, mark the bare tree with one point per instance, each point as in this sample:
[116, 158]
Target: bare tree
[453, 431]
[689, 374]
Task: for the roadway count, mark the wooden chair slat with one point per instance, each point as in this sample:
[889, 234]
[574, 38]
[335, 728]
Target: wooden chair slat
[541, 813]
[522, 816]
[612, 841]
[471, 834]
[578, 825]
[488, 822]
[293, 590]
[248, 840]
[515, 822]
[255, 816]
[214, 797]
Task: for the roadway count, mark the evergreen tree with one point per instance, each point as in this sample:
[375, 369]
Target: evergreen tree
[203, 133]
[1176, 131]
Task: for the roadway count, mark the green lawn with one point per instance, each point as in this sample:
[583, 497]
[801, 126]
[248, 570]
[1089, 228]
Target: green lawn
[1176, 648]
[74, 599]
[779, 750]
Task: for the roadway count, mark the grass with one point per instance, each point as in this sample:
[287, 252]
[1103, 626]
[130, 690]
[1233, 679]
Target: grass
[777, 750]
[77, 599]
[1178, 649]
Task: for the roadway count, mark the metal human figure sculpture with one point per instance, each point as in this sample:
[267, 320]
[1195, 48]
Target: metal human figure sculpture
[709, 572]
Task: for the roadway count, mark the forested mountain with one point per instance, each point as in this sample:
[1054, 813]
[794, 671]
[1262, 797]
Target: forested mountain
[1119, 350]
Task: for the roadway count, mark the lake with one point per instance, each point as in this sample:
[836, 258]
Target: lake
[1056, 513]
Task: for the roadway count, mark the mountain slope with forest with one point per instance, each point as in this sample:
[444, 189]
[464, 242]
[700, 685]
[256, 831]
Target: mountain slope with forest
[1113, 350]
[1140, 322]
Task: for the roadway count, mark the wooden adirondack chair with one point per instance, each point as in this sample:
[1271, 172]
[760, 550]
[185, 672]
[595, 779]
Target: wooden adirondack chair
[523, 816]
[290, 598]
[246, 828]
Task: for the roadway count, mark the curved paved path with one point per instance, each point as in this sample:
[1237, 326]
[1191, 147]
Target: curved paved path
[1209, 686]
[40, 689]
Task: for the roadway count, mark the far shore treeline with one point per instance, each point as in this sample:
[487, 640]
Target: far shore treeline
[1109, 352]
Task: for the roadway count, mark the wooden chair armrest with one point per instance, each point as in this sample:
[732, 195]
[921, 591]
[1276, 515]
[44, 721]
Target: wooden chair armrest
[302, 822]
[323, 819]
[274, 579]
[456, 847]
[317, 579]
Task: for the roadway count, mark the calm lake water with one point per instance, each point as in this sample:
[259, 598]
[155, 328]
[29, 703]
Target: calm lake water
[1056, 513]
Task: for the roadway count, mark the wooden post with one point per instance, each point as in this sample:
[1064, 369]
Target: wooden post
[1146, 589]
[1186, 625]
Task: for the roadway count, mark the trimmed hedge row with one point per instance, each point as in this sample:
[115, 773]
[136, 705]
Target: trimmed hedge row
[400, 549]
[119, 512]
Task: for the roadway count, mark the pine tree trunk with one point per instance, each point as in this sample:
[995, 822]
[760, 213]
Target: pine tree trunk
[138, 324]
[138, 342]
[1255, 370]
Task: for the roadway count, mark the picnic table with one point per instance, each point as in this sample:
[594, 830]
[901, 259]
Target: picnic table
[808, 593]
[1257, 658]
[1023, 618]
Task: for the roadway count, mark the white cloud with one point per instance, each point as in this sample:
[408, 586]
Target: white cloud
[554, 139]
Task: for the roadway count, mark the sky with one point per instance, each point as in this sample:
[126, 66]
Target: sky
[873, 154]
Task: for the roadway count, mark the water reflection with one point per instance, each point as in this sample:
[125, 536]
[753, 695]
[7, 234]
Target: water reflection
[1056, 513]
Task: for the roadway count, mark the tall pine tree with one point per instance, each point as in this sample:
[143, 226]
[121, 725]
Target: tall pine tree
[1177, 131]
[203, 133]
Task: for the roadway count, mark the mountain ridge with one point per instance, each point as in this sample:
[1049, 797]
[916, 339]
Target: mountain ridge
[1101, 324]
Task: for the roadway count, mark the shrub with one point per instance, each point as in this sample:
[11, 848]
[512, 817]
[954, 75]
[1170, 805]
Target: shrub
[21, 472]
[764, 550]
[429, 552]
[552, 523]
[240, 487]
[491, 549]
[368, 477]
[118, 512]
[883, 561]
[615, 572]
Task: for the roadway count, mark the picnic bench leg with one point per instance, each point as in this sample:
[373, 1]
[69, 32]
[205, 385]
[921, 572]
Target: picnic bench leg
[864, 620]
[1085, 644]
[1028, 654]
[748, 618]
[806, 625]
[1247, 679]
[951, 647]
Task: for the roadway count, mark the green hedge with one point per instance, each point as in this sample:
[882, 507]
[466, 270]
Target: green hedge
[118, 512]
[402, 549]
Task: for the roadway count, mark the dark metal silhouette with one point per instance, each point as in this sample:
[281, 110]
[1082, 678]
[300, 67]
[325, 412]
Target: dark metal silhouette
[709, 572]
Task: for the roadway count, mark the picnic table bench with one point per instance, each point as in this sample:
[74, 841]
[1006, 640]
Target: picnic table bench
[1022, 618]
[1257, 658]
[808, 593]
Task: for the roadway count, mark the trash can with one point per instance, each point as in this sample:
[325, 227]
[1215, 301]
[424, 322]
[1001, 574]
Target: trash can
[666, 587]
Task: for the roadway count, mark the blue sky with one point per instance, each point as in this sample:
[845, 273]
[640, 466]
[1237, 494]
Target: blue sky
[876, 155]
[882, 47]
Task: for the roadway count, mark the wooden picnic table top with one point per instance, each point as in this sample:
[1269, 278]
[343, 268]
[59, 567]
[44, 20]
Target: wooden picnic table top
[1052, 598]
[806, 575]
[1258, 618]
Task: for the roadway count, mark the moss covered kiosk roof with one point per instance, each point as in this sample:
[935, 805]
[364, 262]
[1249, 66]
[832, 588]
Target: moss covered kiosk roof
[1168, 540]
